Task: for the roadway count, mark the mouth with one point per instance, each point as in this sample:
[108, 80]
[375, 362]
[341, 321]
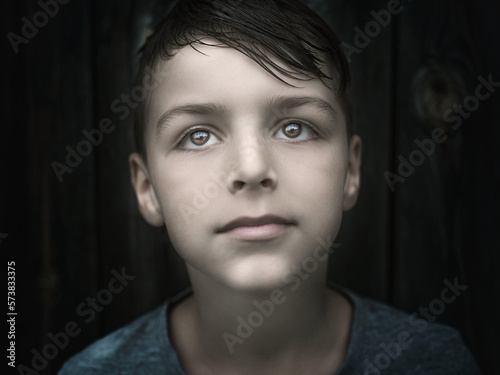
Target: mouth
[256, 228]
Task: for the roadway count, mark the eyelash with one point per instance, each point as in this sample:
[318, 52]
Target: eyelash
[189, 131]
[186, 133]
[302, 123]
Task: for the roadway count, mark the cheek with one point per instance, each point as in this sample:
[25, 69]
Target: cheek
[318, 185]
[186, 195]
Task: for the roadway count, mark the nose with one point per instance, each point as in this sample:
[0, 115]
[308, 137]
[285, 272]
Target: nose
[253, 169]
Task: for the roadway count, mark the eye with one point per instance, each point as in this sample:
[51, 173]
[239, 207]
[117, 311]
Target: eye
[198, 138]
[297, 131]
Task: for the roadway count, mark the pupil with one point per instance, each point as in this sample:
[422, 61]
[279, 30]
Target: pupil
[200, 137]
[292, 130]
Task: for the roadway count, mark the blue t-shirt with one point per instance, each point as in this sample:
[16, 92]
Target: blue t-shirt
[383, 341]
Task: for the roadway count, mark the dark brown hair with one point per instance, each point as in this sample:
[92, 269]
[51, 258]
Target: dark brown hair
[260, 29]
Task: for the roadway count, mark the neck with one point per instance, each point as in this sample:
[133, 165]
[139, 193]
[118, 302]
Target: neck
[266, 329]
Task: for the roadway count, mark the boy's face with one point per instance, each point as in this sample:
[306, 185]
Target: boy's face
[226, 140]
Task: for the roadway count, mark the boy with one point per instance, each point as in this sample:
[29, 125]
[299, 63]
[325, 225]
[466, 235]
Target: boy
[253, 111]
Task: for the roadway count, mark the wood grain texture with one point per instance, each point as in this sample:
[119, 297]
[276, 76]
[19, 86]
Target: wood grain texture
[442, 50]
[360, 263]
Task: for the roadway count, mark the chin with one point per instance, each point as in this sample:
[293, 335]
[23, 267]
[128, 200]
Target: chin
[261, 273]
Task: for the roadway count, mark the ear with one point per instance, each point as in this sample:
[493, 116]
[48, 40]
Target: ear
[353, 178]
[148, 203]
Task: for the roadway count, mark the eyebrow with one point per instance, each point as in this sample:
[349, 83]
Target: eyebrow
[279, 103]
[283, 103]
[189, 109]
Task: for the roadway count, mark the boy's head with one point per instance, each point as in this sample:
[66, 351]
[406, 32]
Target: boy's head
[283, 36]
[246, 134]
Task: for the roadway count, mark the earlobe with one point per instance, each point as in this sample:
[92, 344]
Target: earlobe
[146, 196]
[353, 178]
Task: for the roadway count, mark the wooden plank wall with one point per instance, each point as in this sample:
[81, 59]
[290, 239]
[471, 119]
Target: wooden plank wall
[445, 210]
[396, 246]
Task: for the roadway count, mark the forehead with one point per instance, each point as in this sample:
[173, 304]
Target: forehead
[219, 74]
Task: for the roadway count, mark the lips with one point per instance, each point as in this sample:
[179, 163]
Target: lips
[256, 229]
[246, 221]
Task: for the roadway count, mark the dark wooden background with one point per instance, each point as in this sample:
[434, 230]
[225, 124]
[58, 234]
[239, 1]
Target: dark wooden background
[398, 247]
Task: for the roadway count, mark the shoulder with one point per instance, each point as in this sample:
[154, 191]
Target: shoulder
[386, 339]
[142, 346]
[122, 347]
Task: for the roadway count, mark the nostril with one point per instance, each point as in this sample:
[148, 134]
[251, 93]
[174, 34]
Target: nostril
[267, 182]
[238, 184]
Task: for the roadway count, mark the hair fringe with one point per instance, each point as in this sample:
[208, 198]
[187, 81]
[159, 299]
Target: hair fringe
[260, 29]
